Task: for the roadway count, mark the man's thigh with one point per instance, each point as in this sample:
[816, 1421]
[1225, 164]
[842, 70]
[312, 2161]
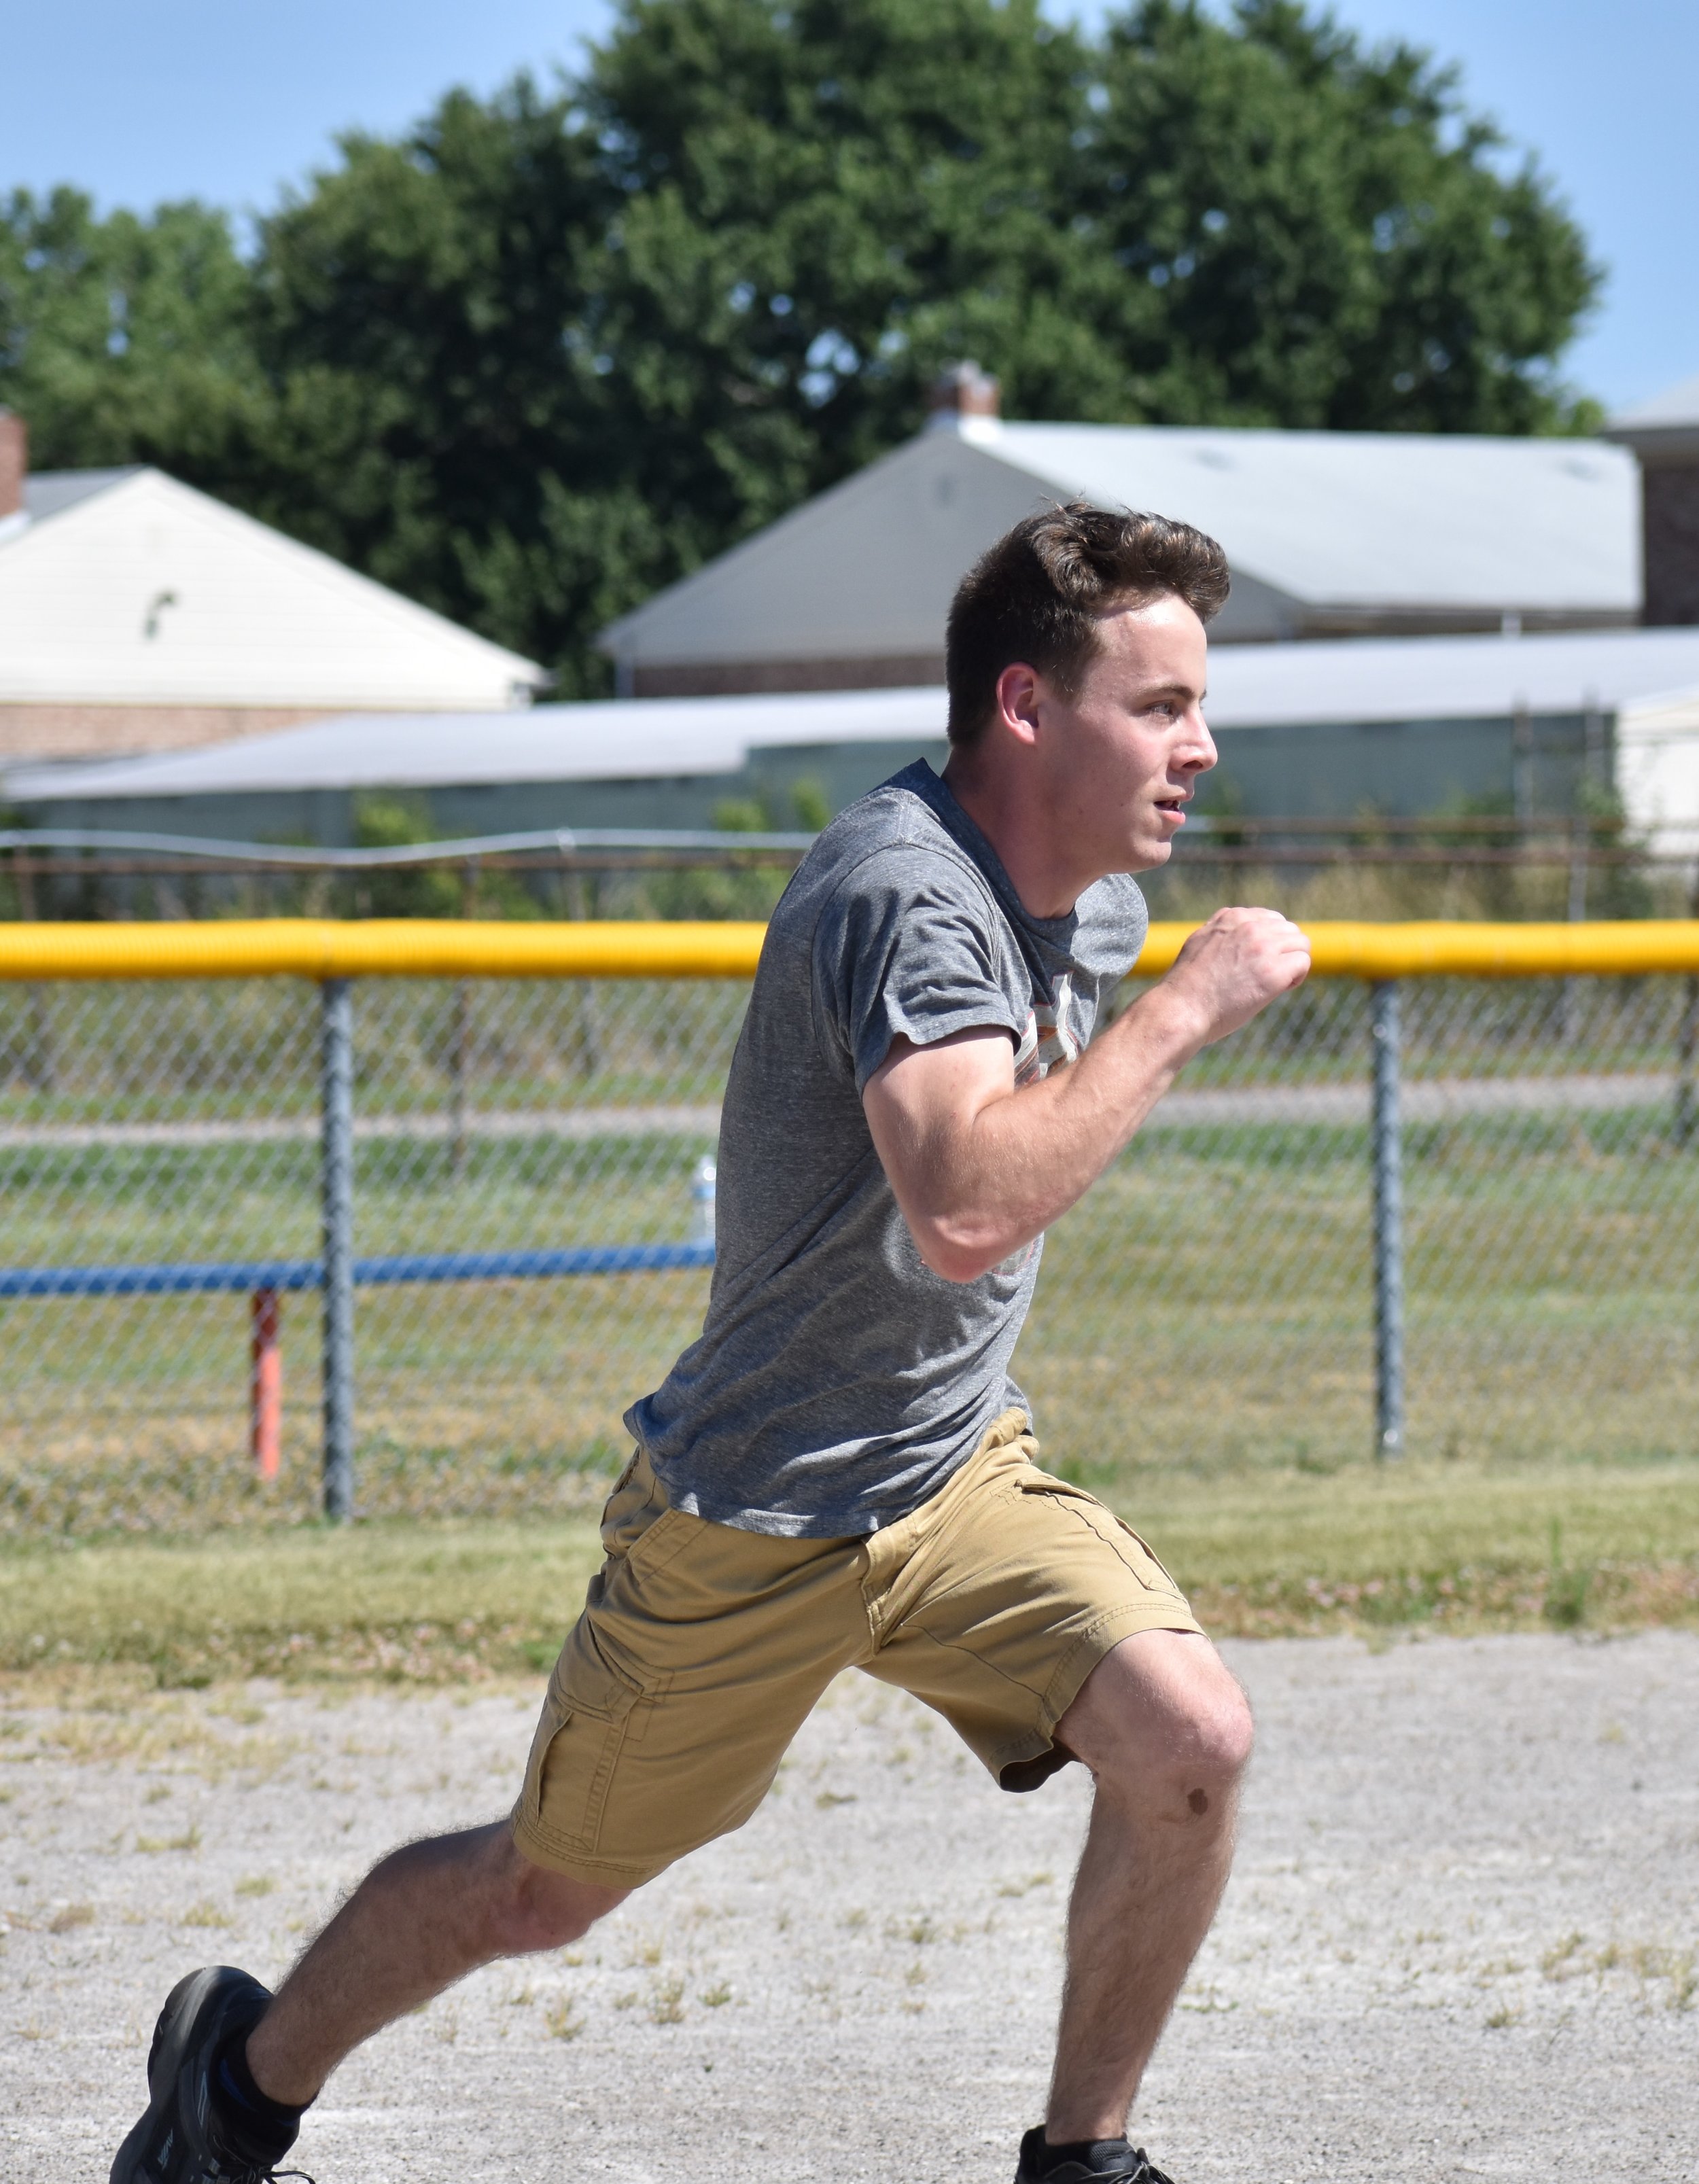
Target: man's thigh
[1014, 1587]
[699, 1653]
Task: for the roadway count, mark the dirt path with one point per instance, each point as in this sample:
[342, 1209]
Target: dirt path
[1461, 1941]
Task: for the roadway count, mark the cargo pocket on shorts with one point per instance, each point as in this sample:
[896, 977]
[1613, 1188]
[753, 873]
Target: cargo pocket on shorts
[587, 1717]
[1133, 1548]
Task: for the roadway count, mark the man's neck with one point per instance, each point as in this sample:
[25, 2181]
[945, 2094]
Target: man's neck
[1047, 885]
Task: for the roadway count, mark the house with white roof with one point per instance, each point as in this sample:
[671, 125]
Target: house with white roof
[138, 614]
[1400, 725]
[1329, 534]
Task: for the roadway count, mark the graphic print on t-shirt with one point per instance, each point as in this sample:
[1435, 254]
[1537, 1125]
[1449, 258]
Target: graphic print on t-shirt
[1048, 1039]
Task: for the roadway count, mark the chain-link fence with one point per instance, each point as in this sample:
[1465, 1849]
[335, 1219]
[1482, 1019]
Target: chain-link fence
[524, 1166]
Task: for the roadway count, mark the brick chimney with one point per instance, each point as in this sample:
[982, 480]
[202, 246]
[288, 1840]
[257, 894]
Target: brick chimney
[963, 390]
[1664, 435]
[15, 464]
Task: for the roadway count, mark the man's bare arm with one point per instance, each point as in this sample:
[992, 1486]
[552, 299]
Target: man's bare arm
[980, 1167]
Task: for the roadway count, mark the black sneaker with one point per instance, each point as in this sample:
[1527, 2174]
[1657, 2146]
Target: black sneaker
[181, 2139]
[1105, 2159]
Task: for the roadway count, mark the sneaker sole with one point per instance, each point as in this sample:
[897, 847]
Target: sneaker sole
[182, 2007]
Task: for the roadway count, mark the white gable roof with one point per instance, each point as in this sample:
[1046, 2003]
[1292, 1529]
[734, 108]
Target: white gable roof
[1384, 519]
[1346, 523]
[126, 587]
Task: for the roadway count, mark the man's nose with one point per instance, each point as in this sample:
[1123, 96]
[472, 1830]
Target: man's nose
[1201, 754]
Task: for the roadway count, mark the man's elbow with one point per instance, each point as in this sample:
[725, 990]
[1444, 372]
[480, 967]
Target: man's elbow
[955, 1250]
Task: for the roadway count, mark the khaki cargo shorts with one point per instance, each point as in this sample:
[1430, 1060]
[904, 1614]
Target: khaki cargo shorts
[702, 1649]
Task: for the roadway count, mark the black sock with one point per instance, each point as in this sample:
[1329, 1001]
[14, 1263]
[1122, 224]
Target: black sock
[1038, 2159]
[263, 2127]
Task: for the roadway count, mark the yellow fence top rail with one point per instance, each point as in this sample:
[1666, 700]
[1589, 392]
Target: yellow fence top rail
[451, 948]
[1436, 948]
[380, 947]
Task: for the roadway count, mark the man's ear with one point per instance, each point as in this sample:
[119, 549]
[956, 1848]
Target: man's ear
[1019, 690]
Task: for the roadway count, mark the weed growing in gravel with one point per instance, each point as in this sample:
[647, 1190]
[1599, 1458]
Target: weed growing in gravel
[151, 1846]
[563, 2019]
[1653, 1965]
[666, 2002]
[206, 1914]
[715, 1996]
[70, 1916]
[255, 1884]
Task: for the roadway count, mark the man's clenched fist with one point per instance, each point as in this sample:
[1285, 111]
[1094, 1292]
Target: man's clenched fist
[1235, 965]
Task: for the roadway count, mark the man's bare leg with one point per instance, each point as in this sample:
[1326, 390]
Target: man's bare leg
[422, 1919]
[1166, 1730]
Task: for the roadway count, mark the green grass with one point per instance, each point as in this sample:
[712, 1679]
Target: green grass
[1206, 1311]
[1446, 1546]
[1203, 1324]
[405, 1600]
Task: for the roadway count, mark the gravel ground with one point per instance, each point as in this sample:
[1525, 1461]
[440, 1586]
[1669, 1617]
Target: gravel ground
[1461, 1940]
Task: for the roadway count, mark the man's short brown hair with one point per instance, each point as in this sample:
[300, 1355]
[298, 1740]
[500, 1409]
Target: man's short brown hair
[1036, 596]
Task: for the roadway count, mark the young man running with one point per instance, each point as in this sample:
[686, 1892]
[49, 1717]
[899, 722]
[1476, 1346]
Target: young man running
[840, 1473]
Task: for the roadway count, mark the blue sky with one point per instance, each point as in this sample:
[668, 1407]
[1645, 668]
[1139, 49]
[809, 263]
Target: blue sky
[232, 102]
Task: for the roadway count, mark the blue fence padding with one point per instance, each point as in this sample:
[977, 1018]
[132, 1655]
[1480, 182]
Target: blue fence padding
[248, 1275]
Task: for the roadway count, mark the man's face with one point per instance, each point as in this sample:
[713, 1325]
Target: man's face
[1121, 759]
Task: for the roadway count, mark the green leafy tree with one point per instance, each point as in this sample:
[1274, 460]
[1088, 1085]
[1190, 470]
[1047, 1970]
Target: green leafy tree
[1318, 236]
[430, 317]
[126, 339]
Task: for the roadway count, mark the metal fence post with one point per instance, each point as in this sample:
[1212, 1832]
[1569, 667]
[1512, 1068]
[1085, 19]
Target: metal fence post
[1687, 1052]
[335, 1084]
[1388, 1224]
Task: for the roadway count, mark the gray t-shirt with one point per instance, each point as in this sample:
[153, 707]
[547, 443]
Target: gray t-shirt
[838, 1382]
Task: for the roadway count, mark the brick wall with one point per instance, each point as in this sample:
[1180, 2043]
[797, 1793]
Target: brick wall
[66, 731]
[14, 463]
[1670, 515]
[719, 679]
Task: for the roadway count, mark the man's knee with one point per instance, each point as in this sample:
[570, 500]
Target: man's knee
[1163, 1713]
[520, 1907]
[1221, 1731]
[539, 1908]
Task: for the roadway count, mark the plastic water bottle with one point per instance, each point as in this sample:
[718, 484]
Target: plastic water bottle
[702, 1185]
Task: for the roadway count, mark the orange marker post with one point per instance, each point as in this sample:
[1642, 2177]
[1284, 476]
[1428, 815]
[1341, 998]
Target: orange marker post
[265, 1385]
